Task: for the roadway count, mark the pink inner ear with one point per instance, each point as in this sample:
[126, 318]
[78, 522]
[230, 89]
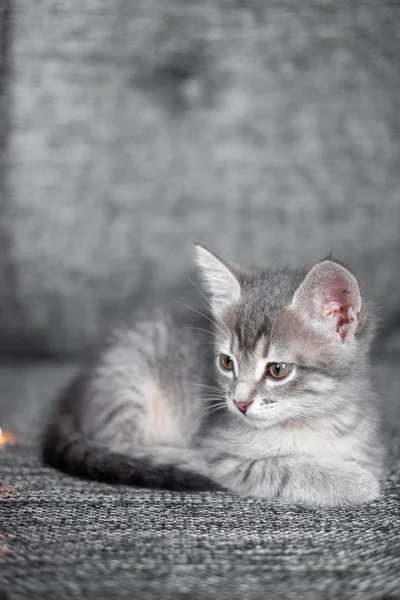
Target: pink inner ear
[330, 296]
[341, 302]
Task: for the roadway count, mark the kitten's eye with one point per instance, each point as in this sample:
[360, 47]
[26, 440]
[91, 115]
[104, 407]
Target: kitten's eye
[226, 362]
[278, 370]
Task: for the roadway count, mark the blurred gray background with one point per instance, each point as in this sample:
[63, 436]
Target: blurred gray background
[269, 131]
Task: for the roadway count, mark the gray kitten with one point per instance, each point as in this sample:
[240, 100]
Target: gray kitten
[282, 408]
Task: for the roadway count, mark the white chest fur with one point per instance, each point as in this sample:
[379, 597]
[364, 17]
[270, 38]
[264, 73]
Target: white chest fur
[294, 439]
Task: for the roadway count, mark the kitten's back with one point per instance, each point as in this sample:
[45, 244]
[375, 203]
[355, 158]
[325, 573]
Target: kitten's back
[132, 417]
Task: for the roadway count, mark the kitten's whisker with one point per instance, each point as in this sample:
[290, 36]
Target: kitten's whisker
[201, 293]
[206, 331]
[211, 411]
[311, 416]
[221, 401]
[208, 387]
[215, 387]
[211, 398]
[211, 307]
[205, 352]
[211, 395]
[202, 314]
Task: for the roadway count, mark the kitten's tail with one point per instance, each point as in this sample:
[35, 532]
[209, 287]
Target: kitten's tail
[65, 448]
[79, 456]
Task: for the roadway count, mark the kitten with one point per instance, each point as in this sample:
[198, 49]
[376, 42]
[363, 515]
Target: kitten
[283, 410]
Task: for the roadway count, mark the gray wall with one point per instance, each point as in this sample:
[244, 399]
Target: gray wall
[269, 131]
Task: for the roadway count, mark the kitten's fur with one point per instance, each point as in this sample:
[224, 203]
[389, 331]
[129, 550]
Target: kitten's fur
[157, 410]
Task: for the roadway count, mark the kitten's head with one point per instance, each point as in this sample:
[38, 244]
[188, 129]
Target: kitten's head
[286, 341]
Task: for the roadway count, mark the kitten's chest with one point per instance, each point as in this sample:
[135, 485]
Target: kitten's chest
[302, 440]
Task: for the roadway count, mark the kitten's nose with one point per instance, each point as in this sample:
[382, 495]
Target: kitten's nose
[243, 406]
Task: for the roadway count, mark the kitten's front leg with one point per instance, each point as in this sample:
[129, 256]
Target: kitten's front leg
[328, 484]
[296, 479]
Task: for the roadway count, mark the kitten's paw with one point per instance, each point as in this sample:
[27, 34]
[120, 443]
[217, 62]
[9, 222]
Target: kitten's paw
[347, 488]
[361, 489]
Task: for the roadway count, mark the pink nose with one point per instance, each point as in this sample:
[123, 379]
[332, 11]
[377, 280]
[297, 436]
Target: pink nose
[243, 406]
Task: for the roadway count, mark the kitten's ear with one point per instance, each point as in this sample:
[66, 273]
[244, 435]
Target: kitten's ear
[330, 298]
[222, 280]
